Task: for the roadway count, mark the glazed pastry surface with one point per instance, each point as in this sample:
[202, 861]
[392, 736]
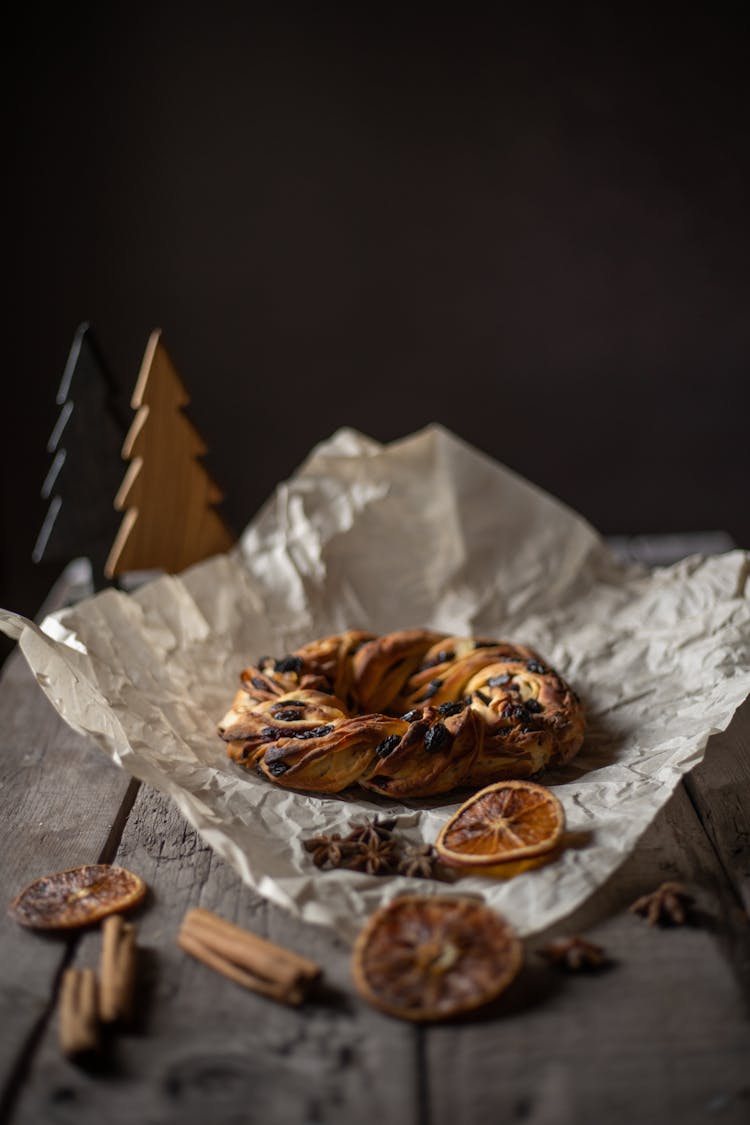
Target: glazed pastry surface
[409, 714]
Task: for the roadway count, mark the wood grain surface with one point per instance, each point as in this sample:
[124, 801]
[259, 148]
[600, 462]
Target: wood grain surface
[661, 1035]
[63, 804]
[167, 495]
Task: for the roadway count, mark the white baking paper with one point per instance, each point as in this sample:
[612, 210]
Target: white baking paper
[424, 531]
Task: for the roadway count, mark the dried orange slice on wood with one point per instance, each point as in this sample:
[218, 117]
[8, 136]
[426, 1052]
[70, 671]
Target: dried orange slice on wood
[77, 897]
[427, 958]
[510, 820]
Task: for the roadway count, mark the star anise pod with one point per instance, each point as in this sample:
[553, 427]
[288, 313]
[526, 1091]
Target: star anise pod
[376, 857]
[371, 831]
[327, 851]
[668, 905]
[418, 862]
[573, 954]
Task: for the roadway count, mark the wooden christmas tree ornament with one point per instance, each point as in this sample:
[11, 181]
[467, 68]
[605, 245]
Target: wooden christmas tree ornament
[167, 495]
[86, 465]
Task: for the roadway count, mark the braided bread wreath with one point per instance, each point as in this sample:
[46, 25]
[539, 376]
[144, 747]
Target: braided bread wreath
[409, 714]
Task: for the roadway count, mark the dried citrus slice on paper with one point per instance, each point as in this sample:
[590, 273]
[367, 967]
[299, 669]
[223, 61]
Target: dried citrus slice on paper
[77, 897]
[427, 958]
[507, 821]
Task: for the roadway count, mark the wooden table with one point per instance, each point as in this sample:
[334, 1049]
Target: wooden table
[662, 1036]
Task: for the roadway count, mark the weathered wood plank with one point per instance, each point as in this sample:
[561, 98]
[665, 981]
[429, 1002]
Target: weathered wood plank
[663, 1032]
[62, 802]
[720, 790]
[661, 1036]
[206, 1049]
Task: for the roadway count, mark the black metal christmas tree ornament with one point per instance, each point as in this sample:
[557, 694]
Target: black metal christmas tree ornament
[86, 461]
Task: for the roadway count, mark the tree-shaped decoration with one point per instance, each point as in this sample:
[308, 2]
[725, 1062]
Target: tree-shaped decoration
[86, 465]
[166, 494]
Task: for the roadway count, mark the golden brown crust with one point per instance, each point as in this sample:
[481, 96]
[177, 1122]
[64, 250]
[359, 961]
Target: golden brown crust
[411, 714]
[332, 758]
[434, 756]
[331, 658]
[382, 665]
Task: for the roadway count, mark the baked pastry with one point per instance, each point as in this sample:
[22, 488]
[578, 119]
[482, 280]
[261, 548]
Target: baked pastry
[410, 714]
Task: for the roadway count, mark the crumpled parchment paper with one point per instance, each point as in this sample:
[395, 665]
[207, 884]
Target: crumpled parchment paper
[424, 531]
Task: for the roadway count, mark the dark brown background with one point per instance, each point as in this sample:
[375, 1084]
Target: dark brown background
[533, 230]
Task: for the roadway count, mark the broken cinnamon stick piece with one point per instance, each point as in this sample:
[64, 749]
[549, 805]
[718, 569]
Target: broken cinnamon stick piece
[126, 968]
[78, 1014]
[246, 958]
[117, 970]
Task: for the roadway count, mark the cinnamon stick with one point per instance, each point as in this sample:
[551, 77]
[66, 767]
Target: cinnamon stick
[259, 955]
[275, 991]
[246, 958]
[78, 1017]
[117, 969]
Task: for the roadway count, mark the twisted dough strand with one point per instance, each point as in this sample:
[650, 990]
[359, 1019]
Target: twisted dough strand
[410, 714]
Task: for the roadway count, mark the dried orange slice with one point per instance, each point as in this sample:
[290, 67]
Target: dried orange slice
[77, 897]
[428, 958]
[509, 820]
